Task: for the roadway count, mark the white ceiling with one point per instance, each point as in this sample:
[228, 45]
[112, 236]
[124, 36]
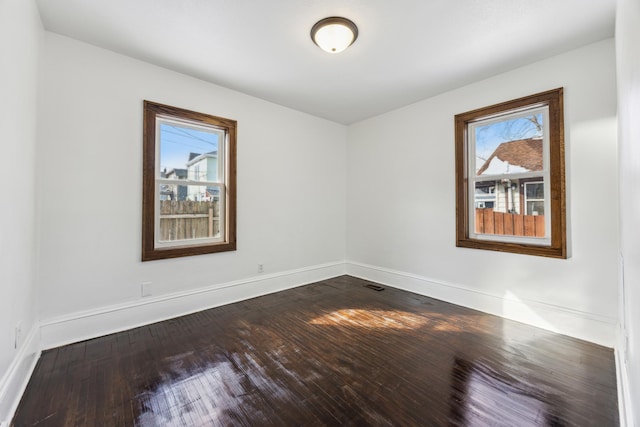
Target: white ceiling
[407, 50]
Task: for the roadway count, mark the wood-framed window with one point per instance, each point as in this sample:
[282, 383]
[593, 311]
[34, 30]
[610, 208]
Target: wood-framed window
[510, 178]
[188, 183]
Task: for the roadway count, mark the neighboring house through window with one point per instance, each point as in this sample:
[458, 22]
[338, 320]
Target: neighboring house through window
[203, 168]
[510, 160]
[485, 195]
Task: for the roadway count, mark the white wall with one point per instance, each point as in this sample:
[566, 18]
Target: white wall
[628, 61]
[401, 206]
[291, 196]
[292, 199]
[20, 33]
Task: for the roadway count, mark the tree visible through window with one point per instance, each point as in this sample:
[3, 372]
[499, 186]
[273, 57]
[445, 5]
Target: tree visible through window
[510, 176]
[189, 198]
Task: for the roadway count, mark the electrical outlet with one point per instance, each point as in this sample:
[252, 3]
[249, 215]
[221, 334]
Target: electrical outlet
[260, 268]
[145, 289]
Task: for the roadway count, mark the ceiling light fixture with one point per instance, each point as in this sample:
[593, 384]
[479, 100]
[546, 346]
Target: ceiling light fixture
[334, 34]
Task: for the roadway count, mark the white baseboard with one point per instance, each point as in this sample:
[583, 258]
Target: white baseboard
[586, 326]
[14, 382]
[102, 321]
[89, 324]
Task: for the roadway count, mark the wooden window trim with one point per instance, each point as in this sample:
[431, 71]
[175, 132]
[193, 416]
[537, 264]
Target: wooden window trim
[149, 252]
[558, 244]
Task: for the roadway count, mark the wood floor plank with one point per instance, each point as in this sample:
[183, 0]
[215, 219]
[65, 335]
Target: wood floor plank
[329, 353]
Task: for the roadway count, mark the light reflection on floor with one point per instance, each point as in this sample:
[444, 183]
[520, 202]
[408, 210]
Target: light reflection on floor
[371, 319]
[477, 390]
[227, 385]
[385, 319]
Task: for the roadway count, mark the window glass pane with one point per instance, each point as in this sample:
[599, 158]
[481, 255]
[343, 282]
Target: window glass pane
[534, 190]
[191, 217]
[188, 152]
[509, 146]
[535, 207]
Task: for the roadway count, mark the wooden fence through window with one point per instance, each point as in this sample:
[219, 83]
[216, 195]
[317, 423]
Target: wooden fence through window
[184, 219]
[508, 224]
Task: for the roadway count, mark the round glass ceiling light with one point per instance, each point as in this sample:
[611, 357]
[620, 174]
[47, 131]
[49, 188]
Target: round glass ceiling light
[334, 34]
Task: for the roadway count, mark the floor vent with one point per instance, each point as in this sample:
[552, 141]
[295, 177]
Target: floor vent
[374, 287]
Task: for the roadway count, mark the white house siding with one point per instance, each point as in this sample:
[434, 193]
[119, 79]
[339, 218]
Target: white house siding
[205, 169]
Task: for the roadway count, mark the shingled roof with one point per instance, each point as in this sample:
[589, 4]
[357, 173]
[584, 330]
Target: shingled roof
[523, 153]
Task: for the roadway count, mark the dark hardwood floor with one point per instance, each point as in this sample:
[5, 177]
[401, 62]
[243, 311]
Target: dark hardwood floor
[330, 353]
